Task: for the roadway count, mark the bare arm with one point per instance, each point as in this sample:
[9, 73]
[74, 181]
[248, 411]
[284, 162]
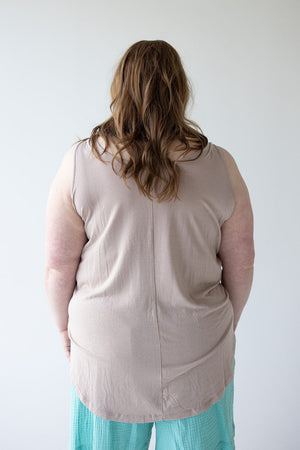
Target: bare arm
[65, 238]
[237, 251]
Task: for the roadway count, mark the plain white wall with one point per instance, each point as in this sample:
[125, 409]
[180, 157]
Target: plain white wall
[58, 58]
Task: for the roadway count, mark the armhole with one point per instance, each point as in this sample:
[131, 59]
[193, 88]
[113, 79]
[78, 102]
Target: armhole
[231, 190]
[73, 185]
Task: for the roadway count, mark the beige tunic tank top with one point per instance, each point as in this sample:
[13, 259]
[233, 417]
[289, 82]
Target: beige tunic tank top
[150, 324]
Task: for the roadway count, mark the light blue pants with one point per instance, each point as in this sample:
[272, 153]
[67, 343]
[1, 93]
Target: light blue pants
[213, 429]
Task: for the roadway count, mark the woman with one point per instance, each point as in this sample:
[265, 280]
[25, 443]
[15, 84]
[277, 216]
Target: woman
[149, 264]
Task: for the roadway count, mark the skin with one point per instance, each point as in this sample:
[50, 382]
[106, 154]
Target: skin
[65, 239]
[237, 251]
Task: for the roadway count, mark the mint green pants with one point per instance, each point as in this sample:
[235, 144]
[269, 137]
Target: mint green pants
[213, 429]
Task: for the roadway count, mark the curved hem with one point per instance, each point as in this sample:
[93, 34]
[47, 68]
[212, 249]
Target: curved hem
[157, 418]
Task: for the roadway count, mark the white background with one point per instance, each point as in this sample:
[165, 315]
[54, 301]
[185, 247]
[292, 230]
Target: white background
[58, 59]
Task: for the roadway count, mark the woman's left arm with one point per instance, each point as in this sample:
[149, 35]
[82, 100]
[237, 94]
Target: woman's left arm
[65, 239]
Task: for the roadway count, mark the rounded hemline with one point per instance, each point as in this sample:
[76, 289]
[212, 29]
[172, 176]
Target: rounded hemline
[149, 419]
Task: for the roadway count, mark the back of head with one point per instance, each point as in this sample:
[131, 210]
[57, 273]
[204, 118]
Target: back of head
[150, 92]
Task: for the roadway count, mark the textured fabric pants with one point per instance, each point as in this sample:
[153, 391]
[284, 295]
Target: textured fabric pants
[213, 429]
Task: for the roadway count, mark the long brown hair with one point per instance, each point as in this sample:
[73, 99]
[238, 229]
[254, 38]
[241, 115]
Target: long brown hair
[150, 92]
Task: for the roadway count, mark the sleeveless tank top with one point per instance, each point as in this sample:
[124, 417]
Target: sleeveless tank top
[150, 323]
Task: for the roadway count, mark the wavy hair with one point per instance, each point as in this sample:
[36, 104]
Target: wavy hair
[150, 92]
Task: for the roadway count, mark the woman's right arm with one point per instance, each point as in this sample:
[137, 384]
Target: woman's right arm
[237, 251]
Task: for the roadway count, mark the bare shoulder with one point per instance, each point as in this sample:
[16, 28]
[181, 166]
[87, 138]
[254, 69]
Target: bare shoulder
[240, 224]
[238, 183]
[237, 232]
